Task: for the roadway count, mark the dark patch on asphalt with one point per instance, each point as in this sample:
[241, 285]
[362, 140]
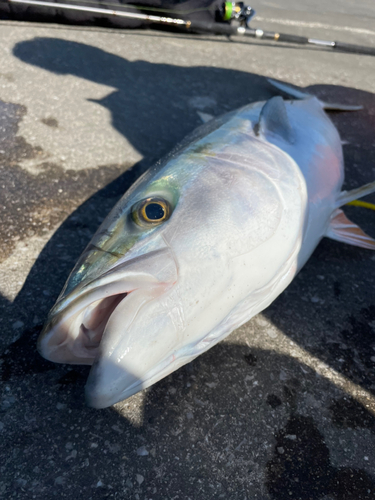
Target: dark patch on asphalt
[13, 148]
[274, 401]
[251, 359]
[69, 378]
[300, 468]
[50, 122]
[33, 204]
[10, 116]
[347, 413]
[9, 77]
[337, 289]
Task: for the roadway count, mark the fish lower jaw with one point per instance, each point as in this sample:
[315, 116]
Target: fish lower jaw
[99, 395]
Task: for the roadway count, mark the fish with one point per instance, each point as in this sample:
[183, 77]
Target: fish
[202, 242]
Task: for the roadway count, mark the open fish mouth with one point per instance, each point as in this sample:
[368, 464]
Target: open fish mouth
[94, 321]
[79, 322]
[77, 338]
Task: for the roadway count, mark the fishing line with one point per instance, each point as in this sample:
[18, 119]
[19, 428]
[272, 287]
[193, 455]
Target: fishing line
[360, 203]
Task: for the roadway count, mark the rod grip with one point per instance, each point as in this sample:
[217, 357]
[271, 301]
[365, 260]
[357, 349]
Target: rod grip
[283, 37]
[355, 49]
[216, 28]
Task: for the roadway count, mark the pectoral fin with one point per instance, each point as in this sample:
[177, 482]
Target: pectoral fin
[343, 229]
[348, 196]
[298, 94]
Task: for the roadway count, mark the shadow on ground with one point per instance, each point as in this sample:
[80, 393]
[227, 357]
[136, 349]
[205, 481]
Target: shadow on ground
[260, 426]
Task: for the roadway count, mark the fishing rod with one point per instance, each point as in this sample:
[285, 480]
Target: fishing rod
[230, 11]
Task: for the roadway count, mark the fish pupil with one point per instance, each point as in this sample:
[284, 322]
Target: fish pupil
[154, 211]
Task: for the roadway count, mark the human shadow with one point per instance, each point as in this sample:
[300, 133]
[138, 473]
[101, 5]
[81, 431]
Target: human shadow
[154, 107]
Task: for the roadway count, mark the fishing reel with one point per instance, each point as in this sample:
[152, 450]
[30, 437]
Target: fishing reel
[237, 11]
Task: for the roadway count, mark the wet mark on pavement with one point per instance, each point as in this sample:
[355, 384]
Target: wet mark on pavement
[251, 359]
[300, 468]
[8, 77]
[50, 122]
[274, 401]
[33, 204]
[13, 148]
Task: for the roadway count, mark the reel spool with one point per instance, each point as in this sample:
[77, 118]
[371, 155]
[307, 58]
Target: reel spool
[237, 11]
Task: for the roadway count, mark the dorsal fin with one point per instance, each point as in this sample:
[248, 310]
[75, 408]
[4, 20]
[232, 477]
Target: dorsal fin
[274, 120]
[298, 94]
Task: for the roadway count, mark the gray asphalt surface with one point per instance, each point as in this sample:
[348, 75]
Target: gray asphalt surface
[364, 8]
[284, 408]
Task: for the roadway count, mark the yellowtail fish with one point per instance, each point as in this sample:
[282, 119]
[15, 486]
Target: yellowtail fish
[205, 240]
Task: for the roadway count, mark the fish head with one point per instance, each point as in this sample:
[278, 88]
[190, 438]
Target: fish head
[175, 257]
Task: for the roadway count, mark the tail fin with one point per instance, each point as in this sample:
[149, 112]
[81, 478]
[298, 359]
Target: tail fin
[298, 94]
[342, 229]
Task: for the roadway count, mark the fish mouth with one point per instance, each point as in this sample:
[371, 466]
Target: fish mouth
[76, 339]
[92, 328]
[77, 324]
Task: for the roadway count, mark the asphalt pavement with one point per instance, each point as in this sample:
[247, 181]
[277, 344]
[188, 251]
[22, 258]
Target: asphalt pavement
[284, 408]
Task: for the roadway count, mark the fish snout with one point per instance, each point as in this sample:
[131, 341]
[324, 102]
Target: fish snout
[77, 324]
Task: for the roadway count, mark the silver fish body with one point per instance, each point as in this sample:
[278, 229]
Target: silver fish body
[248, 196]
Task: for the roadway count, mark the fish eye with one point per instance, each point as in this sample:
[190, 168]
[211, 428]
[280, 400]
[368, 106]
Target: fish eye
[151, 212]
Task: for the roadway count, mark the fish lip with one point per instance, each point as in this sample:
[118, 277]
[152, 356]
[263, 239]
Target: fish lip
[132, 389]
[118, 280]
[86, 286]
[51, 350]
